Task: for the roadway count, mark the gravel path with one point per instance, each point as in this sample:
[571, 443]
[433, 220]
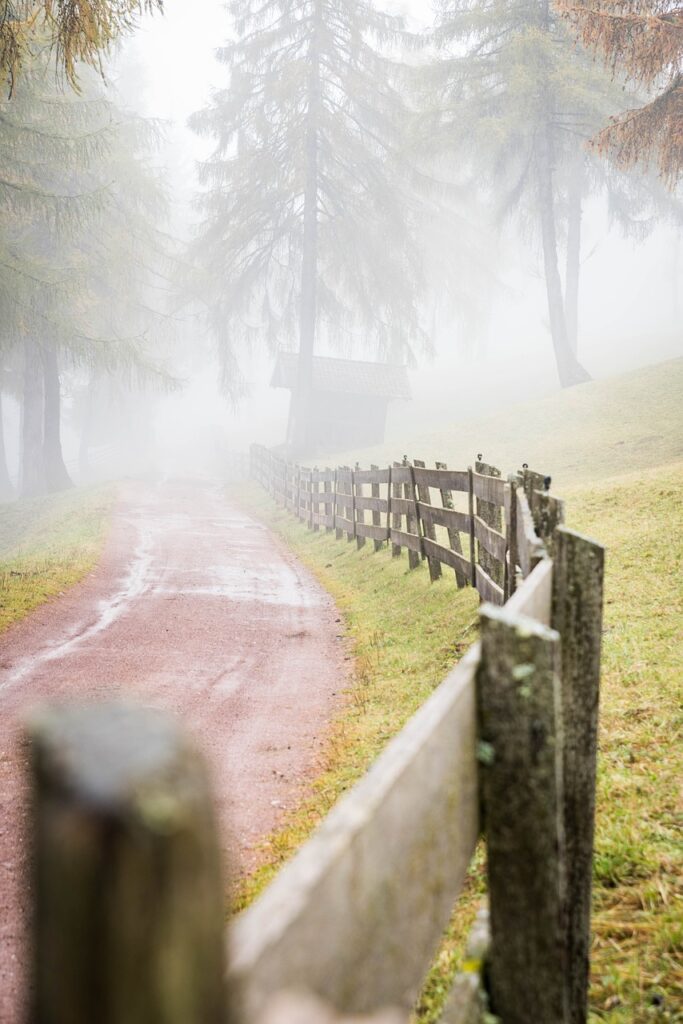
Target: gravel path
[198, 609]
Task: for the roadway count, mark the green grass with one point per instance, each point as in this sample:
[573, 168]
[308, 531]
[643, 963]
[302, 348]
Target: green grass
[407, 633]
[48, 544]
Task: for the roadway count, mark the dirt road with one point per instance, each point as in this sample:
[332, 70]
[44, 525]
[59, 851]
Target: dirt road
[198, 609]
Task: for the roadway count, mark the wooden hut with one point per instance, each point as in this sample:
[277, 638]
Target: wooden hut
[349, 401]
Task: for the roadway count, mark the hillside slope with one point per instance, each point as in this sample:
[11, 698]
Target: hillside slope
[587, 433]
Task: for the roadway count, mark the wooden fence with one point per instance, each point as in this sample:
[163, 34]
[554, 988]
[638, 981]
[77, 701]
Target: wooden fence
[128, 898]
[490, 541]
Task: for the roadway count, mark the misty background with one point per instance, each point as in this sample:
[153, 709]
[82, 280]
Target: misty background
[629, 310]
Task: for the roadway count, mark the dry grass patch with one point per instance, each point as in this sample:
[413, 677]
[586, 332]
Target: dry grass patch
[48, 544]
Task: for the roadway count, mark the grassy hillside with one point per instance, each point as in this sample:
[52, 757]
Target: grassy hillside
[591, 432]
[620, 469]
[48, 544]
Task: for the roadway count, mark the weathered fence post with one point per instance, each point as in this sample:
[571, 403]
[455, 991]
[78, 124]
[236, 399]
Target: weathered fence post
[413, 518]
[470, 503]
[548, 514]
[397, 492]
[453, 535]
[358, 513]
[520, 777]
[329, 507]
[351, 506]
[578, 577]
[314, 509]
[492, 515]
[376, 516]
[129, 905]
[338, 532]
[425, 497]
[511, 536]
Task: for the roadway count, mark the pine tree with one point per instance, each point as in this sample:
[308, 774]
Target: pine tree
[306, 228]
[516, 101]
[78, 31]
[642, 39]
[78, 249]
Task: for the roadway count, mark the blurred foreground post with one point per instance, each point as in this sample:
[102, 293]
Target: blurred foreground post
[129, 904]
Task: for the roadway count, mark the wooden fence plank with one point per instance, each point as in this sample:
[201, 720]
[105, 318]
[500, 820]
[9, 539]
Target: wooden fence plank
[454, 529]
[487, 588]
[428, 528]
[374, 475]
[442, 478]
[407, 540]
[412, 518]
[358, 512]
[532, 481]
[577, 616]
[396, 523]
[492, 542]
[530, 548]
[352, 918]
[401, 474]
[372, 532]
[491, 514]
[547, 512]
[512, 558]
[518, 707]
[470, 503]
[449, 557]
[129, 921]
[488, 488]
[372, 504]
[382, 507]
[452, 520]
[533, 597]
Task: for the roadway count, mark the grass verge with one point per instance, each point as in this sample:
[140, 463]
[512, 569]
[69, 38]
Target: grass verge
[47, 544]
[407, 633]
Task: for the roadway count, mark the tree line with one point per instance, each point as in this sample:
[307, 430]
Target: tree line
[343, 141]
[350, 154]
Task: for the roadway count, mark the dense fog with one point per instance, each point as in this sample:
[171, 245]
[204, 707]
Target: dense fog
[431, 255]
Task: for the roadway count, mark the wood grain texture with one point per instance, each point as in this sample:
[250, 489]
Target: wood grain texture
[455, 527]
[577, 606]
[519, 730]
[129, 919]
[428, 527]
[356, 916]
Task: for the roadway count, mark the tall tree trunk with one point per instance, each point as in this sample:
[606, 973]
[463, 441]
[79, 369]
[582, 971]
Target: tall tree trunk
[86, 433]
[301, 421]
[56, 475]
[32, 463]
[6, 488]
[574, 223]
[568, 367]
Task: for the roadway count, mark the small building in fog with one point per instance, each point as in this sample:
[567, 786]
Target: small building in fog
[350, 398]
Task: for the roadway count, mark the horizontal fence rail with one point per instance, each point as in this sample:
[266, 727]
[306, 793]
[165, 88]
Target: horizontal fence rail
[505, 747]
[490, 542]
[387, 865]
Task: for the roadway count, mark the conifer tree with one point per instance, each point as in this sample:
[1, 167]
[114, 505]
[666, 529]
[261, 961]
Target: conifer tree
[517, 102]
[79, 250]
[306, 231]
[78, 30]
[642, 39]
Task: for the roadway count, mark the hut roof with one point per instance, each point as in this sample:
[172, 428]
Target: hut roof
[345, 376]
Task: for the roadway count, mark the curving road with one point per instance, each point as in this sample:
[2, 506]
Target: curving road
[198, 609]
